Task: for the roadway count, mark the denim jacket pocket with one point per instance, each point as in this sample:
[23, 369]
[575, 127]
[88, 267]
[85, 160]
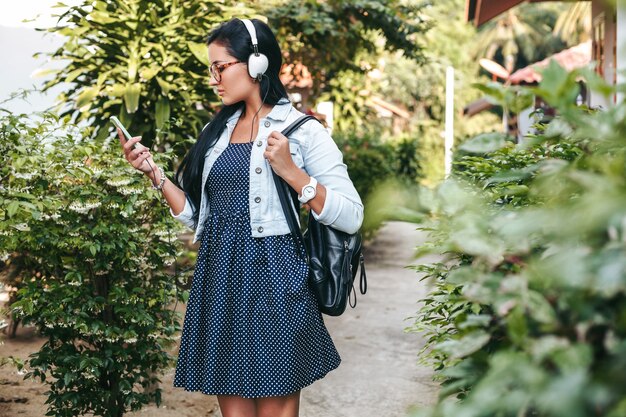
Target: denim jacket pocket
[296, 154]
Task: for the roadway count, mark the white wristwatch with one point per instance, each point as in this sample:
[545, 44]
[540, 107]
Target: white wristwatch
[309, 191]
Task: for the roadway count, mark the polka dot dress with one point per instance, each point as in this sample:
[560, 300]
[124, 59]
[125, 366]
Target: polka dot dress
[252, 327]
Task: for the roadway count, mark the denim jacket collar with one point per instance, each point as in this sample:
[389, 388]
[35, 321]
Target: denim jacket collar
[279, 112]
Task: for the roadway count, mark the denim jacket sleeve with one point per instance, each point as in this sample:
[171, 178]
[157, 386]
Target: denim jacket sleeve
[185, 216]
[323, 160]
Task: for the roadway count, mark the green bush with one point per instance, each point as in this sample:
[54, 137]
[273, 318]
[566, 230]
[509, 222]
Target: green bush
[374, 163]
[146, 62]
[527, 316]
[88, 244]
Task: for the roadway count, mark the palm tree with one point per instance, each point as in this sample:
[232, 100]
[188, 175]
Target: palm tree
[574, 24]
[522, 32]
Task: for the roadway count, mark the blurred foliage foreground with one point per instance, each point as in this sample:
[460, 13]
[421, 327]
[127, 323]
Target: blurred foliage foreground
[88, 244]
[527, 316]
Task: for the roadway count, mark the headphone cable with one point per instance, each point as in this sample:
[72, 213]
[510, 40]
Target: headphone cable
[260, 107]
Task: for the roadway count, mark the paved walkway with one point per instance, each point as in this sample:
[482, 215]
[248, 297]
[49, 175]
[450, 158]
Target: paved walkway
[379, 374]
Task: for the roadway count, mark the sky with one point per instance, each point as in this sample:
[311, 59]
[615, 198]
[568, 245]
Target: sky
[18, 42]
[13, 12]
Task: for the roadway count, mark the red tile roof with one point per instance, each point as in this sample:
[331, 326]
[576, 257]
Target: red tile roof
[575, 57]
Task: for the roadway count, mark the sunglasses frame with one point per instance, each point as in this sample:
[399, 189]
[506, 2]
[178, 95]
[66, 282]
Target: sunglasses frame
[217, 69]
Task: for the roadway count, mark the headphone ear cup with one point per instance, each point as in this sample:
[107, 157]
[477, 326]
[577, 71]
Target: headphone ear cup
[257, 65]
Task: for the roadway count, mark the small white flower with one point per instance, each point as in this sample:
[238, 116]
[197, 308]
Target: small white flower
[129, 190]
[78, 207]
[24, 175]
[119, 181]
[131, 340]
[92, 204]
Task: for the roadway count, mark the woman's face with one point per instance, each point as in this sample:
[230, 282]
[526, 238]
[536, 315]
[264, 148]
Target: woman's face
[235, 84]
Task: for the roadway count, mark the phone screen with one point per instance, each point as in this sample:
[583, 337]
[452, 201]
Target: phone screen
[119, 124]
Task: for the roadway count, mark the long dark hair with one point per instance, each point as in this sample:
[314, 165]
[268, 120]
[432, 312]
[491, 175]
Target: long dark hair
[236, 39]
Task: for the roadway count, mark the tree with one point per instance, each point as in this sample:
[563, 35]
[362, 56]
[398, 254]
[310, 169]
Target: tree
[420, 88]
[142, 61]
[520, 36]
[146, 63]
[334, 36]
[574, 23]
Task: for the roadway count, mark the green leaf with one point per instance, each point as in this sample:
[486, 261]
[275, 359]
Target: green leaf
[464, 346]
[73, 75]
[149, 73]
[517, 327]
[12, 208]
[42, 72]
[86, 96]
[162, 112]
[131, 97]
[200, 51]
[165, 86]
[116, 90]
[485, 143]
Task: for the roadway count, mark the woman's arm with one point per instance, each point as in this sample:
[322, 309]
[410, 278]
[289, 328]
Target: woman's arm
[336, 202]
[141, 159]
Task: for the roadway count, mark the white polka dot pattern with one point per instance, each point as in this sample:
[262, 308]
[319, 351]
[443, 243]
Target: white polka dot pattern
[252, 326]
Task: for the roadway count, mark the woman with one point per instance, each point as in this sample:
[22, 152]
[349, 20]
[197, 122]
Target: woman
[253, 334]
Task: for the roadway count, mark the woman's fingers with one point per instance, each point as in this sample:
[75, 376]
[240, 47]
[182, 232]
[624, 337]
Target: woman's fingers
[138, 155]
[136, 152]
[121, 137]
[138, 163]
[277, 153]
[128, 146]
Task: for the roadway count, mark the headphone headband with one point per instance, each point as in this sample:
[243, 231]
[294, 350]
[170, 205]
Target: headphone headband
[257, 62]
[252, 31]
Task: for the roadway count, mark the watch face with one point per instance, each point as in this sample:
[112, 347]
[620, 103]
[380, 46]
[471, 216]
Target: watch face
[309, 192]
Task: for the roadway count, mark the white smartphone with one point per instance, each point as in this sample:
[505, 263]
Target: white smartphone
[119, 124]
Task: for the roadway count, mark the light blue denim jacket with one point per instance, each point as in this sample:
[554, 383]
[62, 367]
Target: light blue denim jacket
[313, 150]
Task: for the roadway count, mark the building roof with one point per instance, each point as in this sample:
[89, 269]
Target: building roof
[575, 57]
[479, 12]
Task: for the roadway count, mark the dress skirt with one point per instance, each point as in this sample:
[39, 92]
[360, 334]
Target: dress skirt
[252, 326]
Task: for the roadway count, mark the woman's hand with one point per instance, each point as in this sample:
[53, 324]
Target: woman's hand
[278, 155]
[137, 157]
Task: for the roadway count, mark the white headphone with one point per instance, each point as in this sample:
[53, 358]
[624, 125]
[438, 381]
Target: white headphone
[257, 63]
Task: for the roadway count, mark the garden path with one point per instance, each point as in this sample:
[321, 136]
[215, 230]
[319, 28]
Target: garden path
[379, 374]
